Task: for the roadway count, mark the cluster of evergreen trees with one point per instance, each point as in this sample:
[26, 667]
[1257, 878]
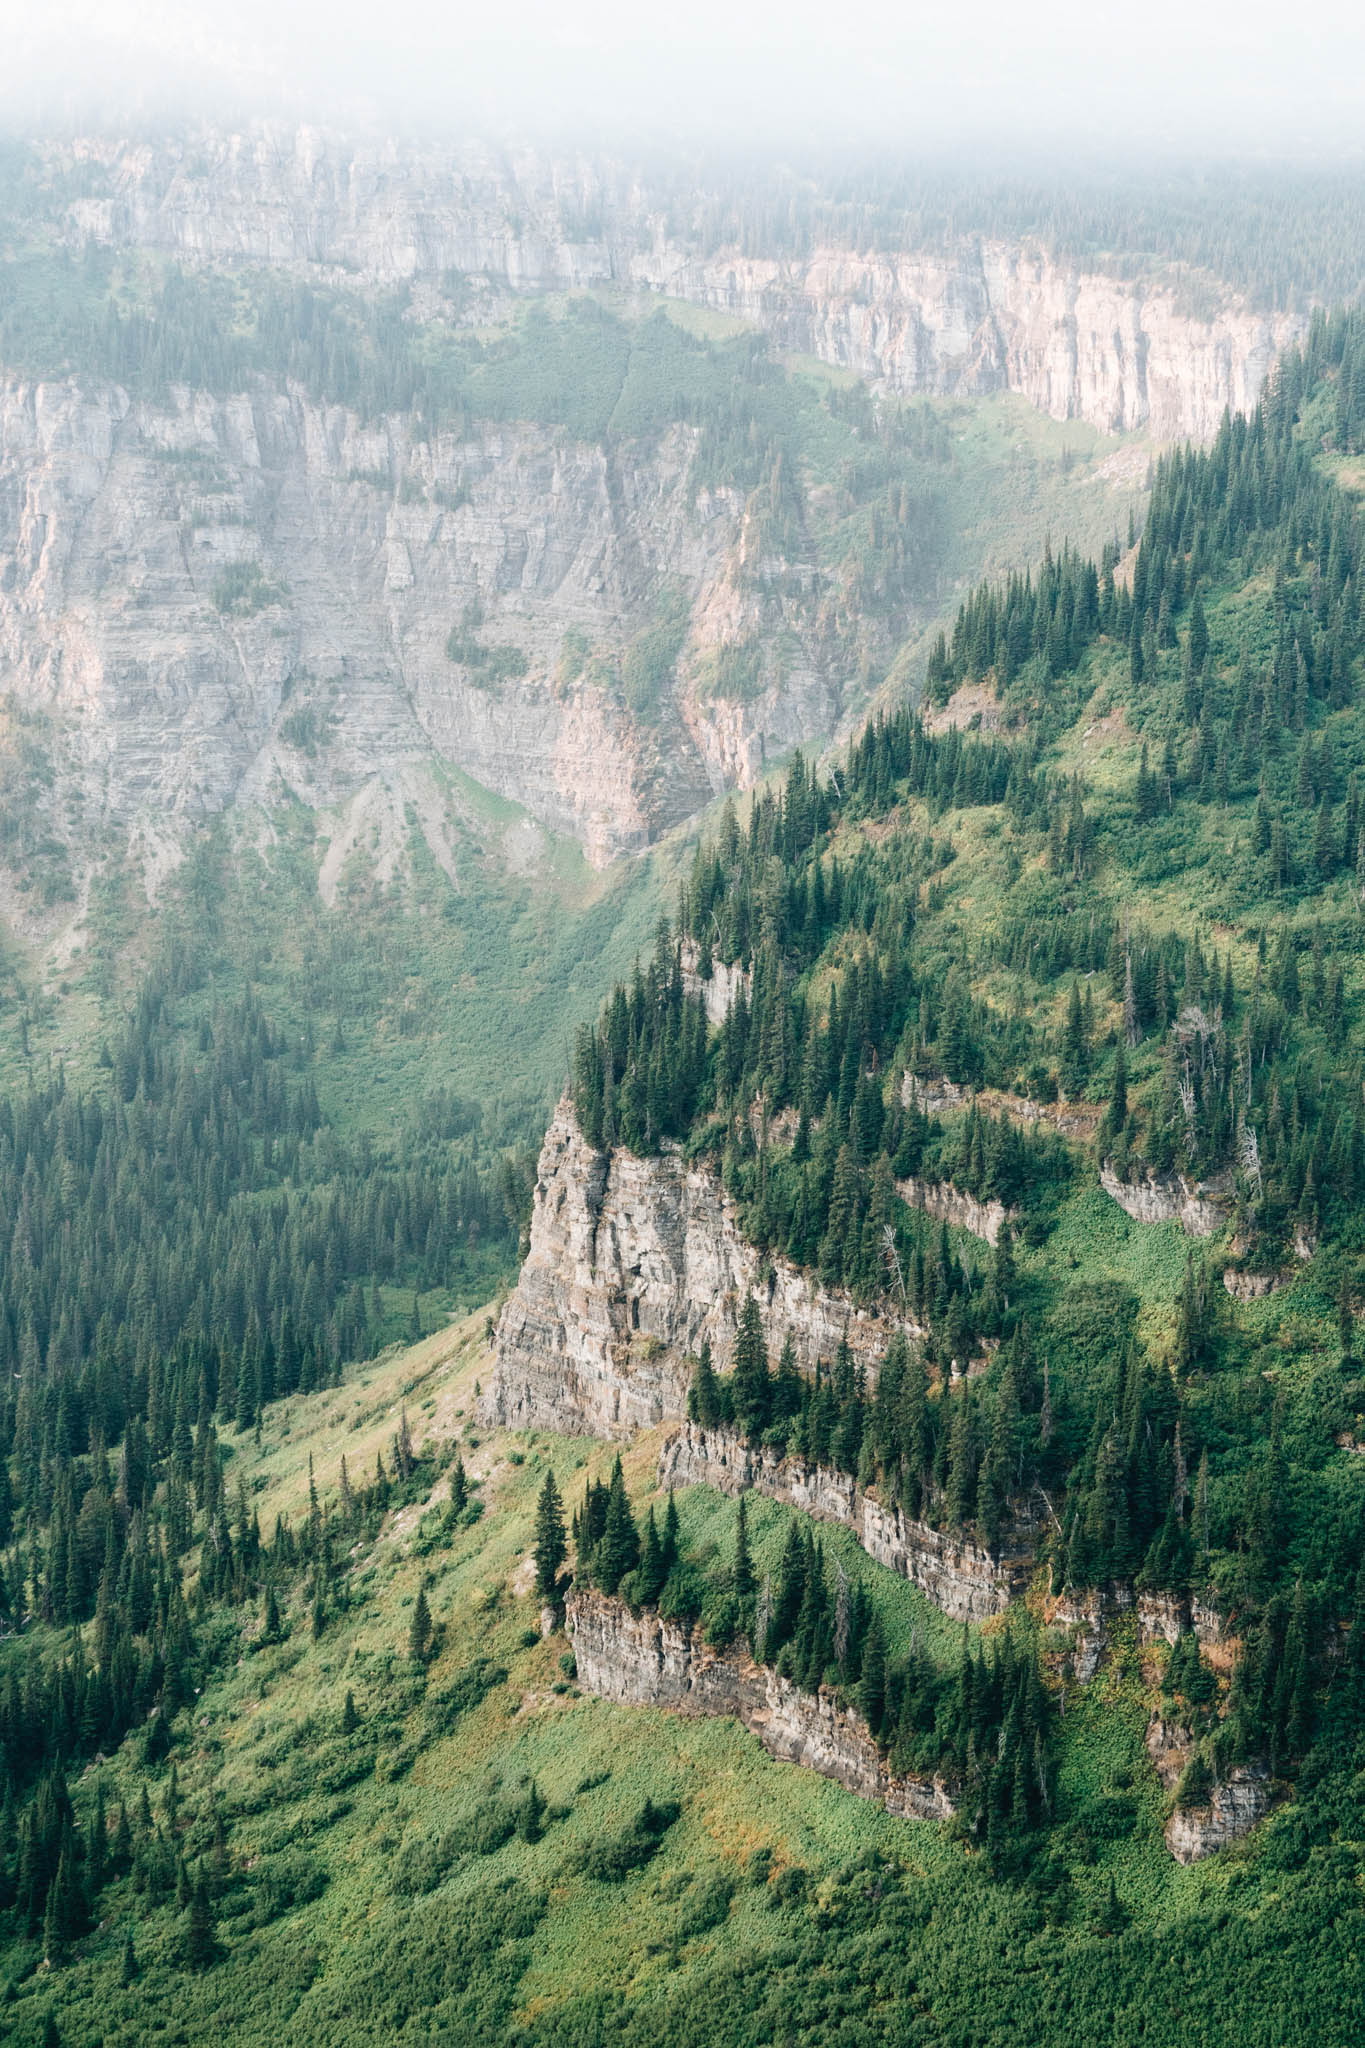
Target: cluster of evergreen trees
[1124, 1477]
[197, 1233]
[611, 1554]
[122, 1567]
[1255, 1071]
[988, 1725]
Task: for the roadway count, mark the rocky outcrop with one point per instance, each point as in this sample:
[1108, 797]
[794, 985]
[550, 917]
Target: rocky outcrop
[964, 1579]
[642, 1660]
[974, 315]
[1199, 1207]
[1234, 1808]
[994, 316]
[947, 1204]
[323, 673]
[633, 1264]
[717, 989]
[1161, 1617]
[1245, 1286]
[937, 1096]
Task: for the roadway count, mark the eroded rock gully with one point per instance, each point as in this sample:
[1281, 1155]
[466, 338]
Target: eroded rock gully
[633, 1264]
[642, 1660]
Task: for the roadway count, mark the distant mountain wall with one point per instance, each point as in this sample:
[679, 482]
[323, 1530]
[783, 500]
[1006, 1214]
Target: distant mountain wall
[977, 315]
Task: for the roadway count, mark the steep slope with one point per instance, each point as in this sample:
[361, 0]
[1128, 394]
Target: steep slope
[970, 315]
[1140, 890]
[475, 1842]
[602, 566]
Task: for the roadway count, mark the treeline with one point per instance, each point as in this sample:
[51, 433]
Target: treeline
[1285, 238]
[1257, 500]
[979, 1456]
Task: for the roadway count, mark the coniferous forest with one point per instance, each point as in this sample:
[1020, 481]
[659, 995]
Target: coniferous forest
[1043, 1050]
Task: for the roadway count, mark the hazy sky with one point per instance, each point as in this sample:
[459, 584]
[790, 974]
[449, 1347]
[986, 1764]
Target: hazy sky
[1239, 75]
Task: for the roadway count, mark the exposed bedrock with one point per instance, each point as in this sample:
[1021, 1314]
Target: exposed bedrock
[633, 1264]
[1233, 1810]
[964, 1579]
[1199, 1207]
[975, 315]
[947, 1204]
[642, 1660]
[223, 600]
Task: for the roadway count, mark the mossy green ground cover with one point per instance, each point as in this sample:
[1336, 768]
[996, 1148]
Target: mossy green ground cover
[372, 1891]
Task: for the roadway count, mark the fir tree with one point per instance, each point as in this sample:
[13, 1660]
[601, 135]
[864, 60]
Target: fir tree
[619, 1550]
[419, 1631]
[744, 1581]
[201, 1944]
[551, 1548]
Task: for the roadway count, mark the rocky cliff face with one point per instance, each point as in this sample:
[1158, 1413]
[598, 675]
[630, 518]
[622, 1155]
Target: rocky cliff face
[962, 1578]
[324, 671]
[642, 1660]
[1233, 1810]
[633, 1263]
[976, 315]
[1161, 1617]
[947, 1204]
[1199, 1207]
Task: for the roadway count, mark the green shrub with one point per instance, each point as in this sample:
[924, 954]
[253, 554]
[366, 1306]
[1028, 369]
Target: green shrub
[242, 589]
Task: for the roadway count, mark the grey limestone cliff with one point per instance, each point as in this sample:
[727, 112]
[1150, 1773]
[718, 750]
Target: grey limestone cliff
[964, 1579]
[633, 1263]
[1234, 1807]
[327, 676]
[642, 1660]
[975, 314]
[1199, 1207]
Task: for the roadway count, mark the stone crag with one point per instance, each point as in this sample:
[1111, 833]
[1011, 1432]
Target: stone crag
[947, 1204]
[975, 315]
[1161, 1617]
[237, 600]
[1200, 1207]
[1233, 1810]
[642, 1660]
[963, 1579]
[633, 1264]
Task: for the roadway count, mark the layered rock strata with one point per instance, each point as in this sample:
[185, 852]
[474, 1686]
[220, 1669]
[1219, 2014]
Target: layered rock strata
[642, 1660]
[220, 600]
[975, 315]
[1233, 1810]
[1161, 1617]
[947, 1204]
[963, 1579]
[1199, 1207]
[633, 1264]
